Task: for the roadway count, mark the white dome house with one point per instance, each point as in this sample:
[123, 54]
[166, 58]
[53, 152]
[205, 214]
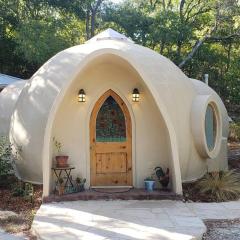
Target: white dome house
[112, 138]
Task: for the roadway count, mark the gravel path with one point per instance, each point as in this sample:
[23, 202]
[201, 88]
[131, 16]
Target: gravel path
[222, 230]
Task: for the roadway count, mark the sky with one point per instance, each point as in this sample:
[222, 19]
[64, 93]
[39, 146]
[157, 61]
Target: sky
[116, 1]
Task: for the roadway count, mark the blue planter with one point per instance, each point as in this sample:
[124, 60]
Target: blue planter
[149, 185]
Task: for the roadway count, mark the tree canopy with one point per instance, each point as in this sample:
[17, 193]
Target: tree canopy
[197, 35]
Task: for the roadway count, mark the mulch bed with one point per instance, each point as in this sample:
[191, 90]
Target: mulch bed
[24, 208]
[234, 155]
[191, 192]
[20, 204]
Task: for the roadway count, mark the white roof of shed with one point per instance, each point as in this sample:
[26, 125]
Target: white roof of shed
[6, 79]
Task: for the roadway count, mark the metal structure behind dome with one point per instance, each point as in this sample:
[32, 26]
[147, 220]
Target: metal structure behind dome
[110, 34]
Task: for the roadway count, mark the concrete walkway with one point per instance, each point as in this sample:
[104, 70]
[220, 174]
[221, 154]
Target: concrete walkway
[8, 236]
[128, 220]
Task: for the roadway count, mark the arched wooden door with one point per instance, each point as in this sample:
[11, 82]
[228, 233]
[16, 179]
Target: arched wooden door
[111, 142]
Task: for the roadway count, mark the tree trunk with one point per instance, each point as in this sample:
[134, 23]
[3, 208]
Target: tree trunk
[87, 24]
[180, 35]
[93, 15]
[162, 46]
[229, 56]
[94, 10]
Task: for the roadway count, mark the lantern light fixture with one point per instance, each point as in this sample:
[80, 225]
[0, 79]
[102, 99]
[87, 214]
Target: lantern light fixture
[135, 95]
[81, 96]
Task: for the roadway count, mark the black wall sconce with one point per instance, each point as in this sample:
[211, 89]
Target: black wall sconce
[135, 95]
[81, 96]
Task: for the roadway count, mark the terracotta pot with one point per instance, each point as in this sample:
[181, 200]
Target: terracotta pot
[62, 161]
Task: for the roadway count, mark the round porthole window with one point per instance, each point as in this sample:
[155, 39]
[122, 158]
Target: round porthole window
[206, 125]
[210, 127]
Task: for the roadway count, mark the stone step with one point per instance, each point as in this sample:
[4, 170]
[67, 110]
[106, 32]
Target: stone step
[116, 194]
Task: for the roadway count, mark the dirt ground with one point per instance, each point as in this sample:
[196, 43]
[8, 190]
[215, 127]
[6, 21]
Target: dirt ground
[23, 208]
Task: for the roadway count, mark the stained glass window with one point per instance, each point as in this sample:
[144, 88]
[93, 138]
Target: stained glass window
[110, 122]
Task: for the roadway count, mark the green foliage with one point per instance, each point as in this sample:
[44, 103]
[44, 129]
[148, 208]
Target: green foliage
[234, 132]
[221, 186]
[18, 189]
[149, 178]
[6, 158]
[80, 180]
[49, 35]
[57, 145]
[23, 189]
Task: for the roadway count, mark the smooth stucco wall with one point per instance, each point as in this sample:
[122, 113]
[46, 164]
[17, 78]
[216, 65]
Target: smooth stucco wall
[8, 99]
[150, 142]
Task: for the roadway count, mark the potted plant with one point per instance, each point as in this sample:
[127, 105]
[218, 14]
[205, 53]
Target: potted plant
[149, 183]
[61, 187]
[163, 177]
[80, 184]
[61, 160]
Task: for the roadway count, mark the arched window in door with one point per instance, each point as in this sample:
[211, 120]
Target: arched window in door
[110, 122]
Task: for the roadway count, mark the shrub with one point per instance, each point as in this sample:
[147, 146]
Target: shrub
[6, 159]
[234, 132]
[221, 186]
[18, 189]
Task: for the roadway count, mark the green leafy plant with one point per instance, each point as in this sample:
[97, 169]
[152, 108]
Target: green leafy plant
[220, 186]
[80, 180]
[149, 178]
[234, 132]
[28, 191]
[23, 189]
[18, 189]
[6, 157]
[57, 145]
[80, 184]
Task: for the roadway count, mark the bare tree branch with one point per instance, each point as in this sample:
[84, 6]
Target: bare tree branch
[224, 38]
[94, 9]
[208, 37]
[196, 46]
